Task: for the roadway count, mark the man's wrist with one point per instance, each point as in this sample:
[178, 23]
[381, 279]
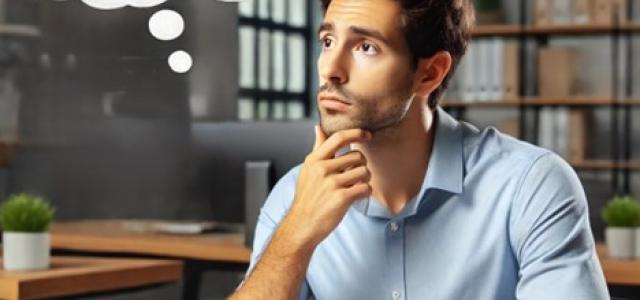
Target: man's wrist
[297, 239]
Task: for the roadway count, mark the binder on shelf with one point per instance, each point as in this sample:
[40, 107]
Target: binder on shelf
[561, 131]
[496, 70]
[556, 71]
[581, 11]
[621, 8]
[562, 12]
[511, 71]
[578, 135]
[603, 12]
[466, 75]
[546, 129]
[543, 12]
[482, 59]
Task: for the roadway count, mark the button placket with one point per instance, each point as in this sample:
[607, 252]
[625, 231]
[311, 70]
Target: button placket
[395, 240]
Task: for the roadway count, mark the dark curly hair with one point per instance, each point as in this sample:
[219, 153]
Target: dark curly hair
[435, 25]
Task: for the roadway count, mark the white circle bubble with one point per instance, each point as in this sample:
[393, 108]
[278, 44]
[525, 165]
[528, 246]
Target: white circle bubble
[166, 25]
[145, 3]
[180, 61]
[106, 4]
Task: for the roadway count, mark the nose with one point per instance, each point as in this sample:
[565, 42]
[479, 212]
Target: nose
[333, 67]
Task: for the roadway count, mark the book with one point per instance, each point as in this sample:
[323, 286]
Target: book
[483, 60]
[603, 12]
[556, 71]
[578, 135]
[496, 70]
[466, 88]
[581, 11]
[511, 71]
[562, 12]
[542, 12]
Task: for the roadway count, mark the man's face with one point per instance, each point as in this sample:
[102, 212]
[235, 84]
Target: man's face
[365, 71]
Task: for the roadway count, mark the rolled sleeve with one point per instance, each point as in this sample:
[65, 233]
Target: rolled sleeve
[551, 235]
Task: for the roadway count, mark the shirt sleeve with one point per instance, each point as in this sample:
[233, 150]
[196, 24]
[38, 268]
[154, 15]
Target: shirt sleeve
[551, 235]
[273, 211]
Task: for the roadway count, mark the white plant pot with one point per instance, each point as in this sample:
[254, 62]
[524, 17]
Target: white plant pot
[620, 241]
[23, 251]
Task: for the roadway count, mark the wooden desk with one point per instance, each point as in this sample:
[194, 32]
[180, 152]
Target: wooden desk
[220, 251]
[119, 236]
[619, 271]
[69, 276]
[114, 237]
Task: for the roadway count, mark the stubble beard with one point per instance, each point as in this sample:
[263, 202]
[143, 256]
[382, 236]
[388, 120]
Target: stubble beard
[365, 112]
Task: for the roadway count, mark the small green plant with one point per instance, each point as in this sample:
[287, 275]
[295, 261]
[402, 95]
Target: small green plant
[26, 213]
[622, 211]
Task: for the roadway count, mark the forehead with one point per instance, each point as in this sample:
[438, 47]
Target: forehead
[380, 15]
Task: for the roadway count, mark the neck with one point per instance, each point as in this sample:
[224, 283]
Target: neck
[398, 157]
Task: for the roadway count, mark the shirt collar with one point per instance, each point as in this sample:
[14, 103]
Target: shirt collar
[445, 171]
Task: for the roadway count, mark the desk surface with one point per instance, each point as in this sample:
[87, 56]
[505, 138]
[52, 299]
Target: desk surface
[80, 275]
[619, 271]
[118, 236]
[112, 236]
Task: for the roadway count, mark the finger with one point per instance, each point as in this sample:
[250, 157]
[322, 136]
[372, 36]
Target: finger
[340, 139]
[352, 159]
[320, 137]
[356, 192]
[357, 175]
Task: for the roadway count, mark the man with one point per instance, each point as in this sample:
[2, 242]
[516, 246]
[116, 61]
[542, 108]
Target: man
[422, 206]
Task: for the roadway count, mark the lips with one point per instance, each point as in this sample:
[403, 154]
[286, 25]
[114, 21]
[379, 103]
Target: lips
[332, 102]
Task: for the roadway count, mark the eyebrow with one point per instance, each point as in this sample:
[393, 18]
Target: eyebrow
[357, 30]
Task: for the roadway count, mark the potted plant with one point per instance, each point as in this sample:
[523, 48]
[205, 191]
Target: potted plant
[25, 219]
[622, 217]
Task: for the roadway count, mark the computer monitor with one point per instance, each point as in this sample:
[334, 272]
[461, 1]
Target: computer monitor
[220, 151]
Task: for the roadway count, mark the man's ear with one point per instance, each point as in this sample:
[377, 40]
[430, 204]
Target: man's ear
[431, 72]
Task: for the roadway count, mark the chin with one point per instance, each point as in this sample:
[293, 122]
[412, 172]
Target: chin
[333, 124]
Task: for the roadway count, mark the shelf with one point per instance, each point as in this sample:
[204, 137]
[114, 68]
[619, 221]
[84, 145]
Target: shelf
[569, 101]
[515, 30]
[570, 29]
[633, 165]
[19, 30]
[496, 30]
[632, 26]
[542, 101]
[485, 104]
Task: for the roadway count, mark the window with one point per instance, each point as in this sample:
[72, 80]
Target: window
[274, 60]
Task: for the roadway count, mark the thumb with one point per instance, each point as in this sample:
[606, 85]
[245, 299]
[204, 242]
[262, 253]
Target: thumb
[320, 137]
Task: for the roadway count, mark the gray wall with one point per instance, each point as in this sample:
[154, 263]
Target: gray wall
[104, 122]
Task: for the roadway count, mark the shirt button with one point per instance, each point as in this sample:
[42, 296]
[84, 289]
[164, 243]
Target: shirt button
[395, 295]
[393, 226]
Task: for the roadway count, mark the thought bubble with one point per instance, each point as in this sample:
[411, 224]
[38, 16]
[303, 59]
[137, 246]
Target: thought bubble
[115, 4]
[180, 61]
[166, 25]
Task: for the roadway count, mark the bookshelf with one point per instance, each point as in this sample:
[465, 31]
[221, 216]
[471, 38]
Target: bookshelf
[543, 101]
[596, 164]
[532, 107]
[514, 30]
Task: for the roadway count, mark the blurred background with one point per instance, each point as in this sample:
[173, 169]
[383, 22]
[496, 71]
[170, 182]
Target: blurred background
[148, 109]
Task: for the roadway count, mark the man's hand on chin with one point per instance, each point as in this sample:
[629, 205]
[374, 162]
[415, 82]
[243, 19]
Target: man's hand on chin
[326, 188]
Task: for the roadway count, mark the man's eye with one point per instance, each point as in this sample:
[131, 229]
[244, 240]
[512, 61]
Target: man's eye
[326, 43]
[368, 48]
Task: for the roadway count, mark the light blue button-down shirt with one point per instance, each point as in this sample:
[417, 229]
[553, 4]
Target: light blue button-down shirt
[495, 218]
